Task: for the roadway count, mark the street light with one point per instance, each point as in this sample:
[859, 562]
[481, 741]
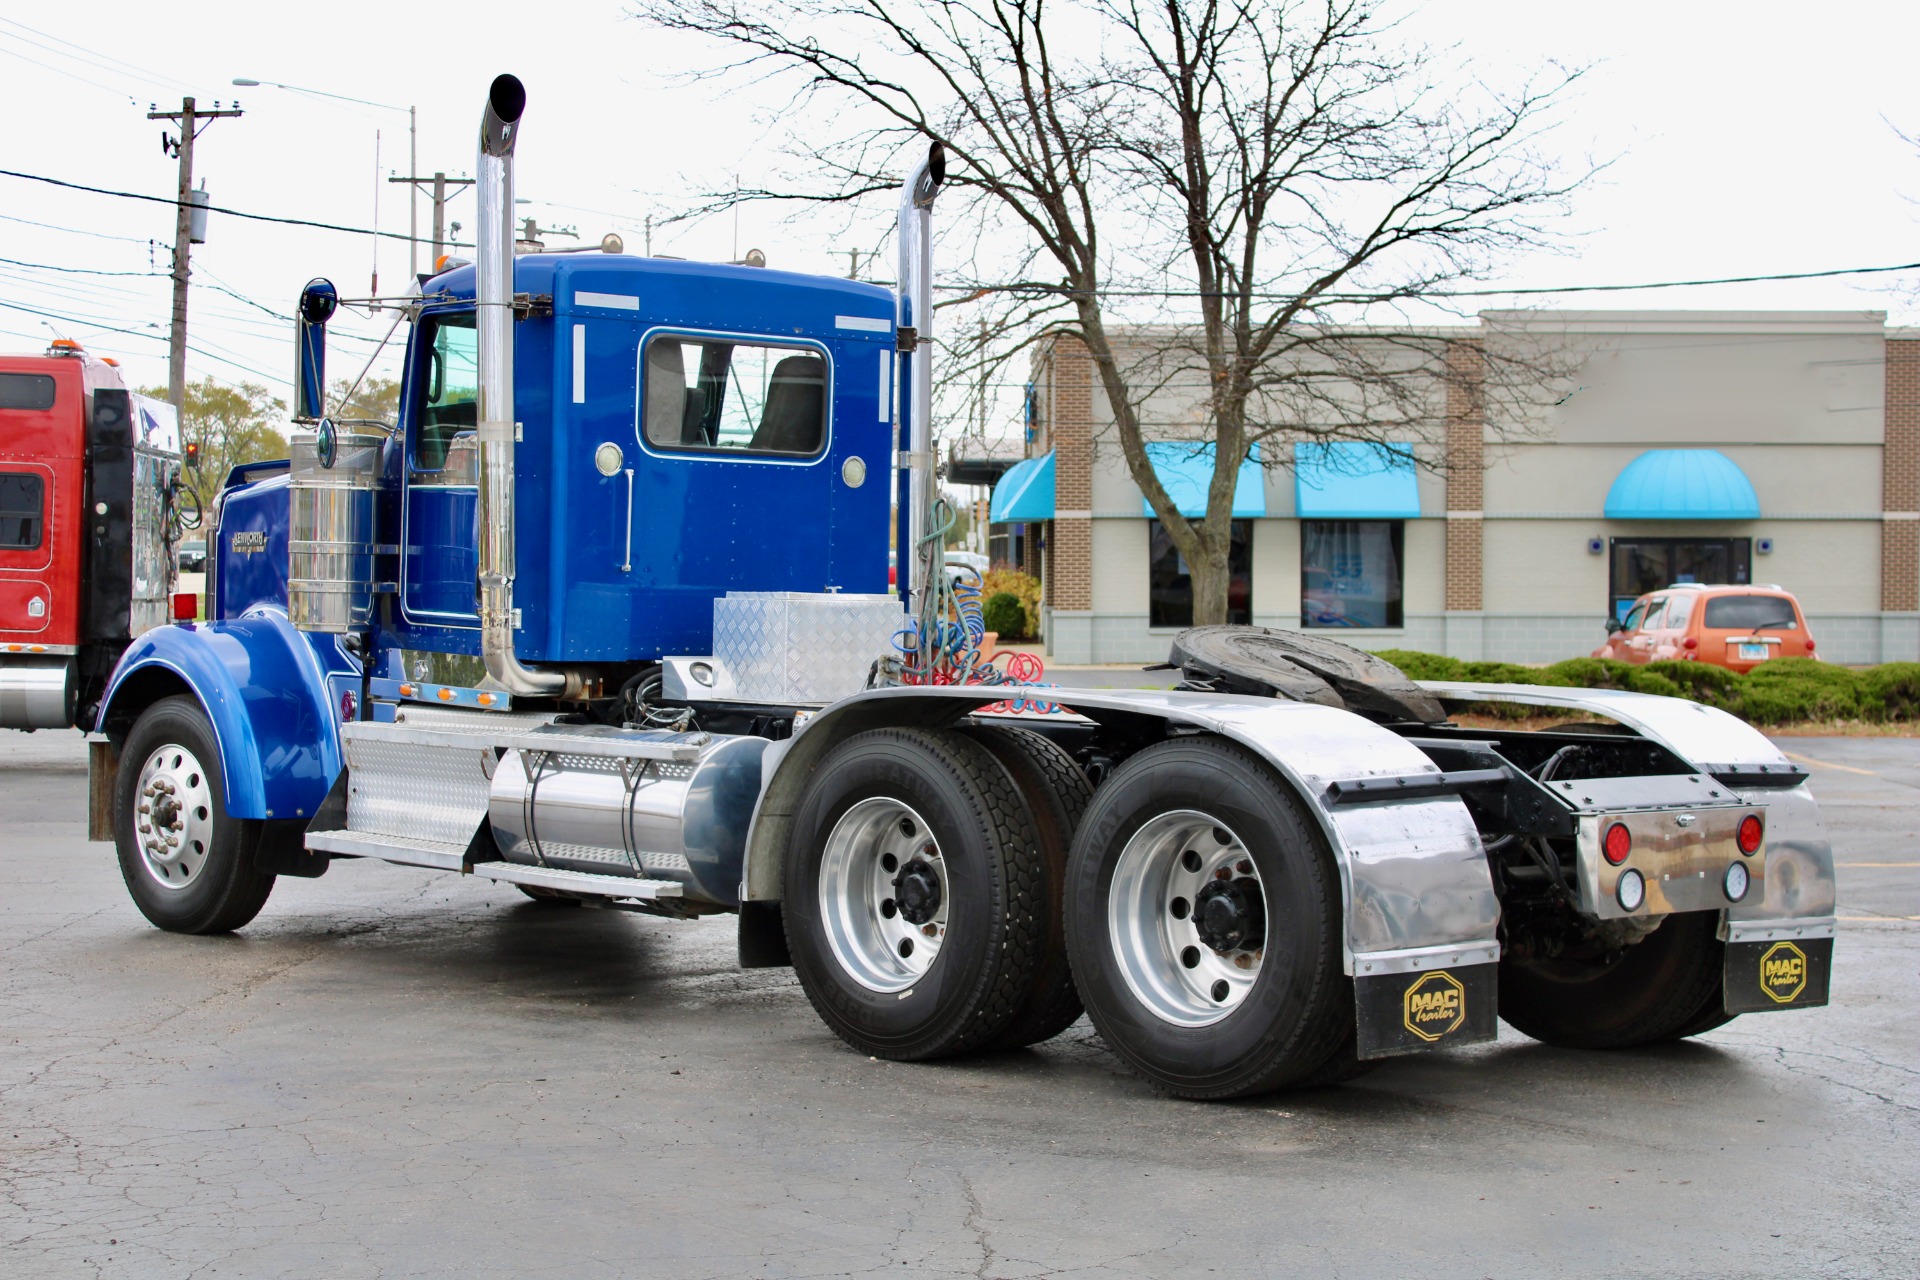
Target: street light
[413, 155]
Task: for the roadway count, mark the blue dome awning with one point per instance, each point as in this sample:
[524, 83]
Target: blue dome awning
[1025, 493]
[1682, 484]
[1354, 480]
[1185, 471]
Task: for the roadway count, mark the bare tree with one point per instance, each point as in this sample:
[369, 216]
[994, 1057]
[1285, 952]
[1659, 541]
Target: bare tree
[1263, 168]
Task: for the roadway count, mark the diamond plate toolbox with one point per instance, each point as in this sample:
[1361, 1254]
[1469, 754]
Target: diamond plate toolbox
[792, 646]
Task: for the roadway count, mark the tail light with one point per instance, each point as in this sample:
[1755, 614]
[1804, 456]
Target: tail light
[1617, 844]
[1748, 837]
[1809, 644]
[186, 606]
[1690, 643]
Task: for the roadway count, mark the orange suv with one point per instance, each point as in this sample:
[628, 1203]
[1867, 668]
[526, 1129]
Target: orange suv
[1734, 627]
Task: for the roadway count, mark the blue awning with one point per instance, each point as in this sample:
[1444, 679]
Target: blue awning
[1185, 471]
[1025, 493]
[1682, 484]
[1354, 480]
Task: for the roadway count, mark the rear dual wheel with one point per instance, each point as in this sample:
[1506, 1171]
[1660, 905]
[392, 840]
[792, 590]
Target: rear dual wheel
[1667, 986]
[1203, 925]
[916, 895]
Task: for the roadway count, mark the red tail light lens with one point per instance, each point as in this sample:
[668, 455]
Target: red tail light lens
[1750, 833]
[1809, 644]
[1690, 643]
[1617, 844]
[186, 606]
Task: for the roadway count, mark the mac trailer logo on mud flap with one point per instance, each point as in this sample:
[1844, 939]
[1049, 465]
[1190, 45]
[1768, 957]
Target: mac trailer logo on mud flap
[1435, 1004]
[1783, 972]
[248, 541]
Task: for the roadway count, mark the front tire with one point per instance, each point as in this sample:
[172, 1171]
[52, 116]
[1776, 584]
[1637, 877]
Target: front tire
[1204, 923]
[1667, 986]
[187, 864]
[914, 893]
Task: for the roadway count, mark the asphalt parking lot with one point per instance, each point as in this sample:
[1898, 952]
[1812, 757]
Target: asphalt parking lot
[397, 1073]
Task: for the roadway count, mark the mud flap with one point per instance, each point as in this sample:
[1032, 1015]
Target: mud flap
[1410, 1012]
[1764, 976]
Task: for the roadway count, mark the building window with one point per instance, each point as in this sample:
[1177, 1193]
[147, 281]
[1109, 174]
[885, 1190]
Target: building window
[1170, 590]
[1351, 573]
[1640, 565]
[22, 510]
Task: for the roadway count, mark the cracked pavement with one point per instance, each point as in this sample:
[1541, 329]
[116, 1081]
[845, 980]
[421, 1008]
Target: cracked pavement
[400, 1073]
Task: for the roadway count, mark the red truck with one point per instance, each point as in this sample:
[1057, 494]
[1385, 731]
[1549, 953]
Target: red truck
[89, 516]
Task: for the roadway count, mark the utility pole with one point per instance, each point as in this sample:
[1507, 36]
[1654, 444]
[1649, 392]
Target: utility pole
[188, 118]
[440, 183]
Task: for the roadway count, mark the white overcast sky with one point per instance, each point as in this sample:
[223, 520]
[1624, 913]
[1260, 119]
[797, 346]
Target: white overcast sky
[1745, 139]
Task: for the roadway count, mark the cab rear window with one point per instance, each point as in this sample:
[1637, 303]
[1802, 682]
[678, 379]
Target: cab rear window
[22, 510]
[1744, 613]
[26, 391]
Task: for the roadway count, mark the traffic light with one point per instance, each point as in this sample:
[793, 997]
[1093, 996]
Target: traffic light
[193, 454]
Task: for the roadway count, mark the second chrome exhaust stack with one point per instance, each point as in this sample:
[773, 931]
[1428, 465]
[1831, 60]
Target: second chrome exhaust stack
[497, 425]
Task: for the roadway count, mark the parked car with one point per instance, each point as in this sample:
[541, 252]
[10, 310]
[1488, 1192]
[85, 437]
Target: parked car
[1734, 627]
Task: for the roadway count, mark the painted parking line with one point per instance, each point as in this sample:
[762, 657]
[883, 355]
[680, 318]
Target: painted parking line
[1878, 919]
[1877, 864]
[1827, 764]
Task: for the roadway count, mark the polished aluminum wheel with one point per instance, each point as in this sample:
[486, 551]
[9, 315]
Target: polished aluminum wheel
[1187, 916]
[173, 816]
[883, 894]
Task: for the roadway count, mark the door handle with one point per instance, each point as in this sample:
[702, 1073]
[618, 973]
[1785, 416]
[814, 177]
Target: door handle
[627, 565]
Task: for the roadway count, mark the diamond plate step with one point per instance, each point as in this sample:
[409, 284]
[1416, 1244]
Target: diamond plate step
[407, 850]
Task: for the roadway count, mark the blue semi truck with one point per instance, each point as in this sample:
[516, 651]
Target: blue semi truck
[606, 616]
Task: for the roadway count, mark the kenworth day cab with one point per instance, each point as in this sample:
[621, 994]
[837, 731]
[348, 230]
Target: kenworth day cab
[605, 616]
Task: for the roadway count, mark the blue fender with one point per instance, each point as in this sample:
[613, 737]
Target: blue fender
[264, 687]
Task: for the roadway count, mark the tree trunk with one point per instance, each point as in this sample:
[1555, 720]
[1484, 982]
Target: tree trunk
[1210, 580]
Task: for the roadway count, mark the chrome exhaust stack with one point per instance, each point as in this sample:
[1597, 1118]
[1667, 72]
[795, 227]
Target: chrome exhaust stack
[916, 286]
[497, 426]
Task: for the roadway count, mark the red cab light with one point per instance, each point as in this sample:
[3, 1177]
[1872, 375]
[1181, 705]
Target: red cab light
[1750, 833]
[1617, 844]
[186, 606]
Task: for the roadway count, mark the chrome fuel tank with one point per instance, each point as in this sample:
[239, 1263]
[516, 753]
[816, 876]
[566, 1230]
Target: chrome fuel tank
[645, 803]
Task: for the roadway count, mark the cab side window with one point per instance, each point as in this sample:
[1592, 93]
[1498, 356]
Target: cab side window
[714, 395]
[1679, 612]
[22, 509]
[449, 393]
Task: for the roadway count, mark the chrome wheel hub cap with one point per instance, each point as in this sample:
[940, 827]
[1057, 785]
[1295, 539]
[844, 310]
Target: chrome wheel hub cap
[1187, 916]
[173, 816]
[883, 894]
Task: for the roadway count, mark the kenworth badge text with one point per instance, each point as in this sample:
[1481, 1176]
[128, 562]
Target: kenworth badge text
[606, 617]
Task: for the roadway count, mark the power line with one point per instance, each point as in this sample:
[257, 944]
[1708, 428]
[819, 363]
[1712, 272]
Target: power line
[92, 56]
[76, 231]
[214, 208]
[78, 271]
[102, 326]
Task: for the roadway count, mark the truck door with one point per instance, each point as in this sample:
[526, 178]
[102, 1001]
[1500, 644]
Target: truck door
[441, 553]
[39, 478]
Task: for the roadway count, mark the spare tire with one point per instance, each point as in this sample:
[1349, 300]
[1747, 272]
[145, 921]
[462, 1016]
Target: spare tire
[1272, 663]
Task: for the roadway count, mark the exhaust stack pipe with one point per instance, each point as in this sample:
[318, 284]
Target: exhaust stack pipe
[497, 425]
[915, 239]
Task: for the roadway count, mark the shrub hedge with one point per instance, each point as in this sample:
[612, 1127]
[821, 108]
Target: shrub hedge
[1778, 692]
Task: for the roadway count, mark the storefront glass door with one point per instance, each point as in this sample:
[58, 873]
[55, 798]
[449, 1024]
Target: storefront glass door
[1640, 565]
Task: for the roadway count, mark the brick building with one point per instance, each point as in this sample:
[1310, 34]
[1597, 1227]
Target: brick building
[1662, 446]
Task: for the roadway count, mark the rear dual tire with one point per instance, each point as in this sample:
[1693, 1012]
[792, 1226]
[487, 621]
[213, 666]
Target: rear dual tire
[1203, 925]
[916, 895]
[1667, 986]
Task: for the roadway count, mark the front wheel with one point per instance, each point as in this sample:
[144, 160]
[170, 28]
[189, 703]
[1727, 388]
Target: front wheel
[1667, 986]
[187, 864]
[1203, 923]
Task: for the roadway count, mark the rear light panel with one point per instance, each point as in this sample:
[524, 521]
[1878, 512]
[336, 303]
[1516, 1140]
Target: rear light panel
[1670, 856]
